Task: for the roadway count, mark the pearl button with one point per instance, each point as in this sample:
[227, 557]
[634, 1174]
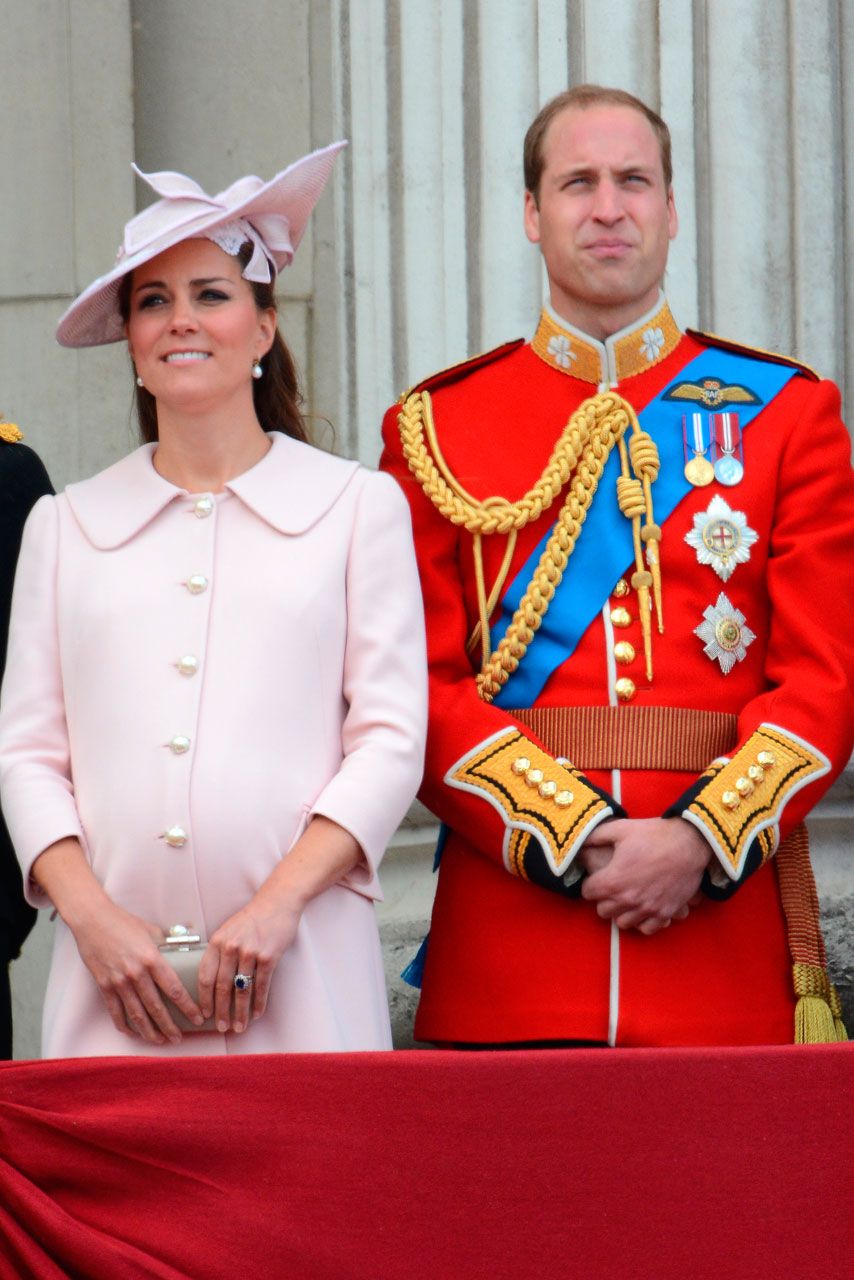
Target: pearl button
[196, 584]
[202, 507]
[624, 652]
[175, 836]
[179, 744]
[621, 617]
[188, 665]
[621, 589]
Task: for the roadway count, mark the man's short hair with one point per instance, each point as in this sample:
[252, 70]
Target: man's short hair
[581, 97]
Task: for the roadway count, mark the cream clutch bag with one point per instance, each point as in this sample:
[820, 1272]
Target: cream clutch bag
[184, 952]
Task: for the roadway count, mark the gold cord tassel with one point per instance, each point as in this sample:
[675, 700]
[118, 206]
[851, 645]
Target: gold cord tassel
[578, 458]
[818, 1013]
[814, 1020]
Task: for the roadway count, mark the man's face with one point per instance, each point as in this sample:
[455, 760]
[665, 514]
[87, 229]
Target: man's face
[604, 220]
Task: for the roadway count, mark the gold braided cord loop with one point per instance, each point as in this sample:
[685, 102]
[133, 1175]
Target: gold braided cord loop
[496, 514]
[579, 457]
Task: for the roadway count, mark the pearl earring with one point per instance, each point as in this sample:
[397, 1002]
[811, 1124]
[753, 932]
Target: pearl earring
[139, 381]
[257, 371]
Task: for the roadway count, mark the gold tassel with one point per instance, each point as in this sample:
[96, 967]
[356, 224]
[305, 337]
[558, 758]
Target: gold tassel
[836, 1010]
[814, 1020]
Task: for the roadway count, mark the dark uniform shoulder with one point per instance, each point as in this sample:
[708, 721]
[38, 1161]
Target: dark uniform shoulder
[756, 353]
[455, 372]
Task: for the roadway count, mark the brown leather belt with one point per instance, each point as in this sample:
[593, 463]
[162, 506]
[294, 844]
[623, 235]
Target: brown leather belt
[678, 739]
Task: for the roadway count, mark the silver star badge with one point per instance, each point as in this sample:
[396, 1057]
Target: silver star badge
[721, 537]
[724, 633]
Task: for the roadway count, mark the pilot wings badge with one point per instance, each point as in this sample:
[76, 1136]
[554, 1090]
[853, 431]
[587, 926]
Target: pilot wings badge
[712, 393]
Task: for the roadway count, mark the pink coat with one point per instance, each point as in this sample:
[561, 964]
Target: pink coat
[218, 667]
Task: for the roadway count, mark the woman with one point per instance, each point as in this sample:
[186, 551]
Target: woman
[216, 659]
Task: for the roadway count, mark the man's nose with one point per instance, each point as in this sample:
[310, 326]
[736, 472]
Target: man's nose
[607, 206]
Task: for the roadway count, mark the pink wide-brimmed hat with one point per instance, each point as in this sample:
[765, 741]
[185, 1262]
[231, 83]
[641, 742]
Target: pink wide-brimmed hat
[271, 215]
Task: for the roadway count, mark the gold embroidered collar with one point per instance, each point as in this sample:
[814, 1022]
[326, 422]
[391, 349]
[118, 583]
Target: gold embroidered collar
[633, 350]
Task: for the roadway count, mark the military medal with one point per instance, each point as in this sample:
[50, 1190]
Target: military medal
[721, 537]
[698, 470]
[729, 469]
[724, 633]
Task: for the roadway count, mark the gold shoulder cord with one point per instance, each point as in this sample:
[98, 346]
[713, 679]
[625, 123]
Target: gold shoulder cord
[579, 456]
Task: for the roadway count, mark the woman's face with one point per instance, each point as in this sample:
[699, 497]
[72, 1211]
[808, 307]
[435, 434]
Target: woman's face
[194, 330]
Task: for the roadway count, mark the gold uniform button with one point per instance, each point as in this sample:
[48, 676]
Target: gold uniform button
[202, 507]
[624, 652]
[756, 773]
[621, 589]
[534, 777]
[564, 799]
[744, 786]
[179, 745]
[175, 836]
[626, 689]
[196, 584]
[547, 789]
[621, 617]
[188, 665]
[730, 799]
[766, 759]
[520, 766]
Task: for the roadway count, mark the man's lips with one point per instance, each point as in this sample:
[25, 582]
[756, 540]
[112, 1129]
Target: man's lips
[609, 248]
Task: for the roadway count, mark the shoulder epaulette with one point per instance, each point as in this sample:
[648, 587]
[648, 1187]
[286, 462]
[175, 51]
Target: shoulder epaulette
[455, 371]
[9, 433]
[739, 348]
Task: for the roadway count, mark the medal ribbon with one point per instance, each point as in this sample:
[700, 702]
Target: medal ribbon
[698, 430]
[604, 546]
[726, 429]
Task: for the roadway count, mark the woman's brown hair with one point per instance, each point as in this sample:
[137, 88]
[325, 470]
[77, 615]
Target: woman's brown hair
[277, 396]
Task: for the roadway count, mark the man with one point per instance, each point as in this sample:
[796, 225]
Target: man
[639, 650]
[23, 480]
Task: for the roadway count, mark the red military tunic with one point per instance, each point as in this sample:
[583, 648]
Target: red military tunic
[508, 960]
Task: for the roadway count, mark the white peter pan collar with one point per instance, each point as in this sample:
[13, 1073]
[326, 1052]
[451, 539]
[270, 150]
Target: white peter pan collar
[291, 488]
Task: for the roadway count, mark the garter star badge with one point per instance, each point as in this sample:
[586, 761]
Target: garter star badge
[724, 633]
[721, 537]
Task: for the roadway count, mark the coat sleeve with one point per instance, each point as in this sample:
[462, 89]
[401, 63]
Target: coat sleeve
[486, 776]
[23, 480]
[795, 736]
[35, 771]
[385, 681]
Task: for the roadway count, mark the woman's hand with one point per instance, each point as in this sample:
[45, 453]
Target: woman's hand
[118, 948]
[251, 942]
[254, 939]
[121, 952]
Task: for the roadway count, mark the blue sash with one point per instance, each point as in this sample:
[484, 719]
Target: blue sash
[604, 547]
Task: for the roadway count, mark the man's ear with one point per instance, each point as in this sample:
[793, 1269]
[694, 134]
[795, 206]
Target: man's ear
[531, 218]
[672, 215]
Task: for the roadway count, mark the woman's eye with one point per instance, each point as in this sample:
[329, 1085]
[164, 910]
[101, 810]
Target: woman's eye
[150, 300]
[213, 295]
